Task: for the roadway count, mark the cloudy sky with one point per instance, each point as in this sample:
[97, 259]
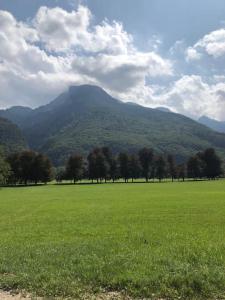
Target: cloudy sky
[154, 52]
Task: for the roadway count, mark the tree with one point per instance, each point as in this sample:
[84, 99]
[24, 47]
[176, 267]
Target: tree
[60, 174]
[97, 165]
[114, 172]
[74, 168]
[91, 166]
[160, 168]
[26, 162]
[42, 169]
[212, 164]
[146, 159]
[195, 167]
[14, 163]
[29, 166]
[172, 167]
[181, 172]
[102, 167]
[135, 168]
[4, 169]
[110, 164]
[124, 166]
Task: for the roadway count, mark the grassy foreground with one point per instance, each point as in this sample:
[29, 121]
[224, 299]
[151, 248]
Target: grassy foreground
[148, 240]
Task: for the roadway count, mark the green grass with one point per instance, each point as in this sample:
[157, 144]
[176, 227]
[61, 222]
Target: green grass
[149, 240]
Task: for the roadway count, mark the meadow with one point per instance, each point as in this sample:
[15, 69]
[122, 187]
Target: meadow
[161, 240]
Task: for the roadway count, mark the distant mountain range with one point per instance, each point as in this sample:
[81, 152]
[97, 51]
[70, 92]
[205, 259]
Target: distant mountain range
[86, 116]
[213, 124]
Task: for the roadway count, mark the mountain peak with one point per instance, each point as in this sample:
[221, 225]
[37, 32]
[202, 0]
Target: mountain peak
[85, 88]
[204, 118]
[19, 109]
[92, 94]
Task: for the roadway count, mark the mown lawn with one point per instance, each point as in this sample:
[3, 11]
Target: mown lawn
[150, 240]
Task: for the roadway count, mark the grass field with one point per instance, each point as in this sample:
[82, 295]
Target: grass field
[149, 240]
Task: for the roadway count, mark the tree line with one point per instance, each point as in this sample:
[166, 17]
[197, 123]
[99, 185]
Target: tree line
[101, 165]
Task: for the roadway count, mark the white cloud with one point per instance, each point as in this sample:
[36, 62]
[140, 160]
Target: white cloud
[59, 30]
[40, 58]
[63, 31]
[123, 72]
[189, 95]
[192, 54]
[192, 96]
[212, 44]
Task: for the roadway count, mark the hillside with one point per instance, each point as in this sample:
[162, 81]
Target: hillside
[213, 124]
[11, 137]
[86, 116]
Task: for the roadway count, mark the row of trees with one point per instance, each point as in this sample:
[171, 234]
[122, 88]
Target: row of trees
[101, 165]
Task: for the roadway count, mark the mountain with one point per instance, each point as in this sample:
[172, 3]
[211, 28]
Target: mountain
[165, 109]
[213, 124]
[11, 137]
[86, 116]
[16, 114]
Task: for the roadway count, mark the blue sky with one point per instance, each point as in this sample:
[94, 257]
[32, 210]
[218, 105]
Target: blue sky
[153, 52]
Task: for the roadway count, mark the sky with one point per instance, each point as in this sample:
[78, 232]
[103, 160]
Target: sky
[168, 53]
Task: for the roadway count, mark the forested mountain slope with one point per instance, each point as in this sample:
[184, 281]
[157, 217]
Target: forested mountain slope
[86, 116]
[11, 137]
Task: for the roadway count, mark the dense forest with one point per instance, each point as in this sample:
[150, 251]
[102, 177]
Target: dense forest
[29, 167]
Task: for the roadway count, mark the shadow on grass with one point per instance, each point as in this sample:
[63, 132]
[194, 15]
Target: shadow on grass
[101, 183]
[22, 185]
[126, 183]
